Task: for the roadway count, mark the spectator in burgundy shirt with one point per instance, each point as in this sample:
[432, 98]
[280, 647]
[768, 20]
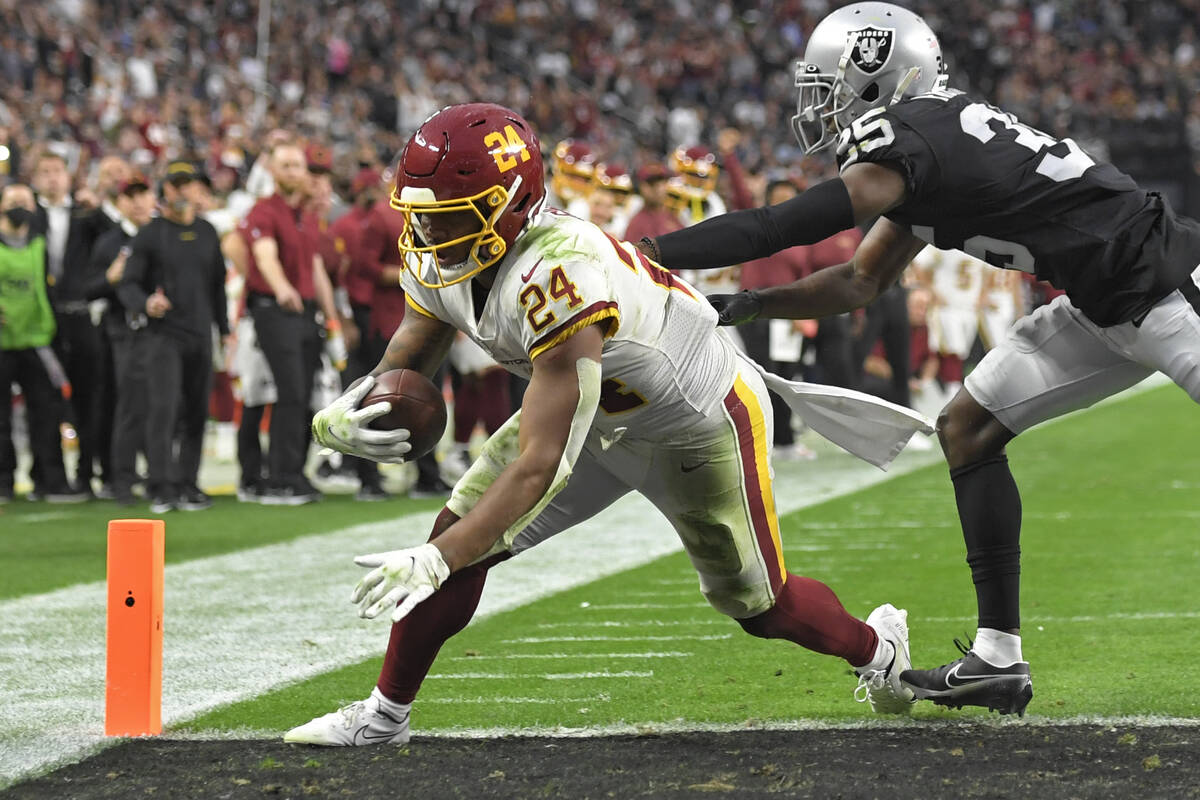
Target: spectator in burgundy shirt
[381, 257]
[285, 284]
[358, 280]
[654, 218]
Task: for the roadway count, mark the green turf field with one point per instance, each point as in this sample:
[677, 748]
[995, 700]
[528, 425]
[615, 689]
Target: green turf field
[1111, 509]
[45, 547]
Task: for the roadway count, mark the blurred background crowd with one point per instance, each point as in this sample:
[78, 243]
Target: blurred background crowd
[183, 161]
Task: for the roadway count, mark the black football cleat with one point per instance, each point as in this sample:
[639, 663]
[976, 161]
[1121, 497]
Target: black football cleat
[971, 681]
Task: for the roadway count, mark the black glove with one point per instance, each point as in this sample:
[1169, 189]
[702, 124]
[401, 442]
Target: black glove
[734, 309]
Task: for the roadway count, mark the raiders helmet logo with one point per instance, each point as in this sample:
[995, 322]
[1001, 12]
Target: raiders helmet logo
[872, 48]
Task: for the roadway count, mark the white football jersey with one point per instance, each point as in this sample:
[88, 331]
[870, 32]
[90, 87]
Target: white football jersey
[663, 358]
[955, 277]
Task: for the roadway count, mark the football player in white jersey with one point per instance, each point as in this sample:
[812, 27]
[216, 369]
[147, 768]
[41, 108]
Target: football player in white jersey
[1001, 303]
[631, 388]
[956, 280]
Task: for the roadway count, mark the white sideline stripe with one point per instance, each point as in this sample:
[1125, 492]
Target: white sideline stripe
[643, 606]
[549, 676]
[967, 726]
[652, 728]
[586, 656]
[1027, 620]
[240, 624]
[509, 701]
[547, 639]
[656, 623]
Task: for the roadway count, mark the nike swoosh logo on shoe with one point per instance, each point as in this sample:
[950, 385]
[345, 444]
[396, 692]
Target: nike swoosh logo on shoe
[954, 680]
[371, 738]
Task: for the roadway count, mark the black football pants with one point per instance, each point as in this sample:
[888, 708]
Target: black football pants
[176, 406]
[42, 403]
[291, 342]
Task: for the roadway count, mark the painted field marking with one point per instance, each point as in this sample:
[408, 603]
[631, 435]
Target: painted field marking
[1027, 620]
[549, 676]
[682, 637]
[600, 698]
[636, 623]
[969, 726]
[643, 606]
[593, 656]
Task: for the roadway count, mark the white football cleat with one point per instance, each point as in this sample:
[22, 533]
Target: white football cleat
[361, 723]
[882, 687]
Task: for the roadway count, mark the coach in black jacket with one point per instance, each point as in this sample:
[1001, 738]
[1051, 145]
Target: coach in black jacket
[71, 232]
[134, 207]
[175, 273]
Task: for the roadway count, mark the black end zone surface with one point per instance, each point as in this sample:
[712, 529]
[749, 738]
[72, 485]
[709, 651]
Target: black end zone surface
[1016, 761]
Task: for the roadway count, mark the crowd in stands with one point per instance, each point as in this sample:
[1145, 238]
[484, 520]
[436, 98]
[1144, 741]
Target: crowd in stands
[653, 115]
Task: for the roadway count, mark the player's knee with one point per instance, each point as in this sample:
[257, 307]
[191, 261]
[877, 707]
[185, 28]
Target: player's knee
[758, 626]
[1186, 373]
[749, 612]
[968, 432]
[767, 624]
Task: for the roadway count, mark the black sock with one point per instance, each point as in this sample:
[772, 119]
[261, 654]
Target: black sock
[989, 507]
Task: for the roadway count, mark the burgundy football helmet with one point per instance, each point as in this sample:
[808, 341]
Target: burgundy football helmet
[572, 167]
[479, 158]
[698, 167]
[615, 178]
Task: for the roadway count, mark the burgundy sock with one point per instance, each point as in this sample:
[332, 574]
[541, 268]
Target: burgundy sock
[416, 639]
[808, 613]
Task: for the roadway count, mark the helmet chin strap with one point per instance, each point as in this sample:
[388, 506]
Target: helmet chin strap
[901, 87]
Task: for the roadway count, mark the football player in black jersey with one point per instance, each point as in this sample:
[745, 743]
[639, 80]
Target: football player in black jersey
[936, 166]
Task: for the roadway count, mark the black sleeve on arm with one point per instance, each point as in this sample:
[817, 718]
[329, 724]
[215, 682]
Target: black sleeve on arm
[741, 236]
[131, 291]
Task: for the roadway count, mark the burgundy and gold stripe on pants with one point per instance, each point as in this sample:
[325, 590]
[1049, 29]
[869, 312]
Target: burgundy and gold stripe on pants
[750, 427]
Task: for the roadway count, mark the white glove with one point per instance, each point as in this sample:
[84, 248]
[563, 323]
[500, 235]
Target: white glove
[335, 349]
[342, 425]
[409, 575]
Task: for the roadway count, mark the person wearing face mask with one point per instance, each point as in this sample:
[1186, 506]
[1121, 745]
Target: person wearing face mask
[134, 205]
[175, 274]
[71, 230]
[27, 328]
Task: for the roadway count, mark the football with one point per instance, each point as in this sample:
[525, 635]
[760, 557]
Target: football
[416, 405]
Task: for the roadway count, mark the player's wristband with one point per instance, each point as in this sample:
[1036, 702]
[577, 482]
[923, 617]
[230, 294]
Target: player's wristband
[652, 246]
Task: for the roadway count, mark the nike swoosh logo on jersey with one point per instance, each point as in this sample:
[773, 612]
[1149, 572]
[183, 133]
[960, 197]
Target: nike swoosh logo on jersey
[693, 467]
[525, 278]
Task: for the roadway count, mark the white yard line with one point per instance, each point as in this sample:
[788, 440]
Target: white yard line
[529, 676]
[241, 624]
[678, 638]
[583, 656]
[968, 726]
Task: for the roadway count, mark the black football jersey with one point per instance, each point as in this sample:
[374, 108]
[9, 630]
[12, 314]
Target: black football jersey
[980, 181]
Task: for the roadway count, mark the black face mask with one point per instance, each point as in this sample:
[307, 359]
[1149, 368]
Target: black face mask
[19, 217]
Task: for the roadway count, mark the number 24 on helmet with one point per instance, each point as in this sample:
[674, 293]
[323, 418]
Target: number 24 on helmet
[480, 160]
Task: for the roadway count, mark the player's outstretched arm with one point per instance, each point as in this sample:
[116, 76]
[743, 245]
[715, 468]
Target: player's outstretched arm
[421, 343]
[863, 192]
[556, 415]
[880, 258]
[877, 264]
